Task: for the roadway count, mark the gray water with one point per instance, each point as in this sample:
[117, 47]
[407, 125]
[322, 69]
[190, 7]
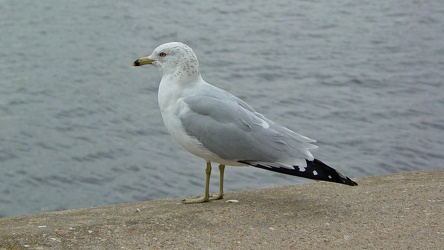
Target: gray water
[79, 127]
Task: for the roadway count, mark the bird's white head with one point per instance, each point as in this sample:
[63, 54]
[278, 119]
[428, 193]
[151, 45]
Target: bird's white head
[172, 59]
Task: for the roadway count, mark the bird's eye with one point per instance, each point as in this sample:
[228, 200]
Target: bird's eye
[162, 54]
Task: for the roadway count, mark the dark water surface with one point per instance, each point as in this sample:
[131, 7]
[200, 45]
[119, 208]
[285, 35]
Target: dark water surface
[79, 127]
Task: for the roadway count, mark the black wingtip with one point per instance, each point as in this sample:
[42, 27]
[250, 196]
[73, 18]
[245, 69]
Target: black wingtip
[350, 182]
[327, 173]
[316, 170]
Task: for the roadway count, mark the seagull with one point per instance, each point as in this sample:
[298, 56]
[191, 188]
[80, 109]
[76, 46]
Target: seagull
[217, 126]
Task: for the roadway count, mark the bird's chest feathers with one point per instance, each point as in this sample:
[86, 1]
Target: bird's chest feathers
[171, 104]
[171, 89]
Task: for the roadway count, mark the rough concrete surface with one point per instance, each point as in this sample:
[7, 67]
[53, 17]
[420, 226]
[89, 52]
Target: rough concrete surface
[400, 211]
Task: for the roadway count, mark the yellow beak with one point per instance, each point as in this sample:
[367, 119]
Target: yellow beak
[142, 61]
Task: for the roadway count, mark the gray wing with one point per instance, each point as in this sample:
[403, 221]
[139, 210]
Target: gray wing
[231, 129]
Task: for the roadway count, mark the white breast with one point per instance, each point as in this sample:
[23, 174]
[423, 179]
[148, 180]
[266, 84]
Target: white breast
[171, 105]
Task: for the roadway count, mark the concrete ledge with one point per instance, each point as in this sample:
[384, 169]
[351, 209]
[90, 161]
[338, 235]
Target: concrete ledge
[399, 211]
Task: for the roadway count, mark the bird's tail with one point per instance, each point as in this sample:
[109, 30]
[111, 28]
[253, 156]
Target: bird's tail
[315, 169]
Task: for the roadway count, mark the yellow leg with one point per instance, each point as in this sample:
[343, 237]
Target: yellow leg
[220, 195]
[206, 196]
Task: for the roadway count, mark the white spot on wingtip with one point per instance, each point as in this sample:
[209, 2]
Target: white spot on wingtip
[301, 169]
[314, 172]
[329, 177]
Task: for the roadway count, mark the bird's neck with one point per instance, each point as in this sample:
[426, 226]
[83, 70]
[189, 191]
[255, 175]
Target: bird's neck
[183, 78]
[170, 89]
